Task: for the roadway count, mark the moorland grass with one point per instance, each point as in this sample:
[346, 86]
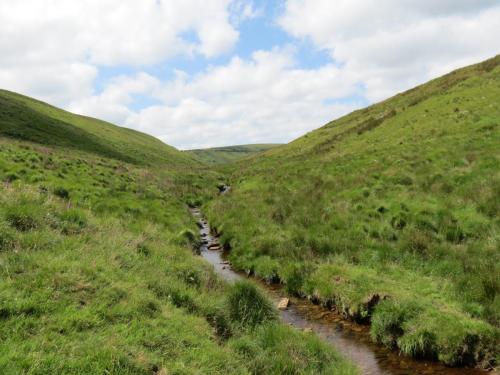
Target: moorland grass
[248, 306]
[98, 274]
[396, 202]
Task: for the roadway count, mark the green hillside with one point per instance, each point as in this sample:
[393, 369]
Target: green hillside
[97, 269]
[390, 214]
[228, 154]
[28, 119]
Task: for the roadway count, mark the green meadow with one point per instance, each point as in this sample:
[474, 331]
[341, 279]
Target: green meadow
[98, 273]
[390, 215]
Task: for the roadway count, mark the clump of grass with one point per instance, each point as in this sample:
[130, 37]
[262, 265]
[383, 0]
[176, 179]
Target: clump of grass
[24, 217]
[7, 237]
[11, 177]
[417, 241]
[188, 238]
[61, 192]
[388, 320]
[248, 307]
[419, 343]
[143, 248]
[277, 349]
[72, 221]
[294, 280]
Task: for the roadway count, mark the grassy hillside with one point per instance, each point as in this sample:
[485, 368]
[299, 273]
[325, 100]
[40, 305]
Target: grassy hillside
[390, 214]
[97, 270]
[29, 119]
[223, 155]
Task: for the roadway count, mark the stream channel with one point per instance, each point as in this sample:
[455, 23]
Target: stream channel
[350, 339]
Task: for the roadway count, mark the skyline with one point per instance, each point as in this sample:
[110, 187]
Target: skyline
[198, 74]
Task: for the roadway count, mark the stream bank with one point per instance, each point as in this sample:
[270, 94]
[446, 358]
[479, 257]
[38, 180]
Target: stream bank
[348, 338]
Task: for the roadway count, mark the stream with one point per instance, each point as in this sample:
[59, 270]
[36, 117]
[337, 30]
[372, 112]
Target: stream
[348, 338]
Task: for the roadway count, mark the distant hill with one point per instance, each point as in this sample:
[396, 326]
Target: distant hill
[222, 155]
[24, 118]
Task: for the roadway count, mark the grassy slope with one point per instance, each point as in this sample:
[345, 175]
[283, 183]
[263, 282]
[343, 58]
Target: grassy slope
[25, 118]
[223, 155]
[97, 273]
[399, 201]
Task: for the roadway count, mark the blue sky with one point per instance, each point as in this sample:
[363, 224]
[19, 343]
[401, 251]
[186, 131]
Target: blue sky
[260, 32]
[198, 74]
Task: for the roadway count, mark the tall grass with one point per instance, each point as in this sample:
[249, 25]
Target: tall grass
[248, 307]
[98, 275]
[396, 201]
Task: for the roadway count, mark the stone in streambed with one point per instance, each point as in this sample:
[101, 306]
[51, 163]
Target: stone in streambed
[283, 304]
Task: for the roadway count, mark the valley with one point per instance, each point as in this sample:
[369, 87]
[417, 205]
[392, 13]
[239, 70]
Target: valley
[388, 215]
[225, 155]
[381, 228]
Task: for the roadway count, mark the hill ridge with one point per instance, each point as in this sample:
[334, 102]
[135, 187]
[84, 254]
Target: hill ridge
[22, 117]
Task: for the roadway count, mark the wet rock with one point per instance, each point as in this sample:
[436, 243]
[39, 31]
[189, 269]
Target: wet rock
[283, 304]
[214, 246]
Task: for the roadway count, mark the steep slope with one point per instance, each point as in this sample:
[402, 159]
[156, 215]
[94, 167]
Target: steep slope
[390, 214]
[25, 118]
[228, 154]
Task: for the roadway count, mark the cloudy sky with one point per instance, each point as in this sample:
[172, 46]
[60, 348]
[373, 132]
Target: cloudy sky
[199, 73]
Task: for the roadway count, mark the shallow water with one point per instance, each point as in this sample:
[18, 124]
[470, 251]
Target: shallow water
[348, 338]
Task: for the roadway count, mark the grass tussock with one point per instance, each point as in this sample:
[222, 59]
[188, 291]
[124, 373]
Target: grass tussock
[248, 306]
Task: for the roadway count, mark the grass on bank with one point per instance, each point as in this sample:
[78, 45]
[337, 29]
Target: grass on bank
[97, 275]
[398, 202]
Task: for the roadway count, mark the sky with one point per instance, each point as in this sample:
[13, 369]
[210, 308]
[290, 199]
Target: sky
[204, 73]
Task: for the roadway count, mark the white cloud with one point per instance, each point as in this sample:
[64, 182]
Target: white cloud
[109, 32]
[53, 50]
[243, 10]
[56, 83]
[265, 99]
[44, 40]
[113, 102]
[392, 45]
